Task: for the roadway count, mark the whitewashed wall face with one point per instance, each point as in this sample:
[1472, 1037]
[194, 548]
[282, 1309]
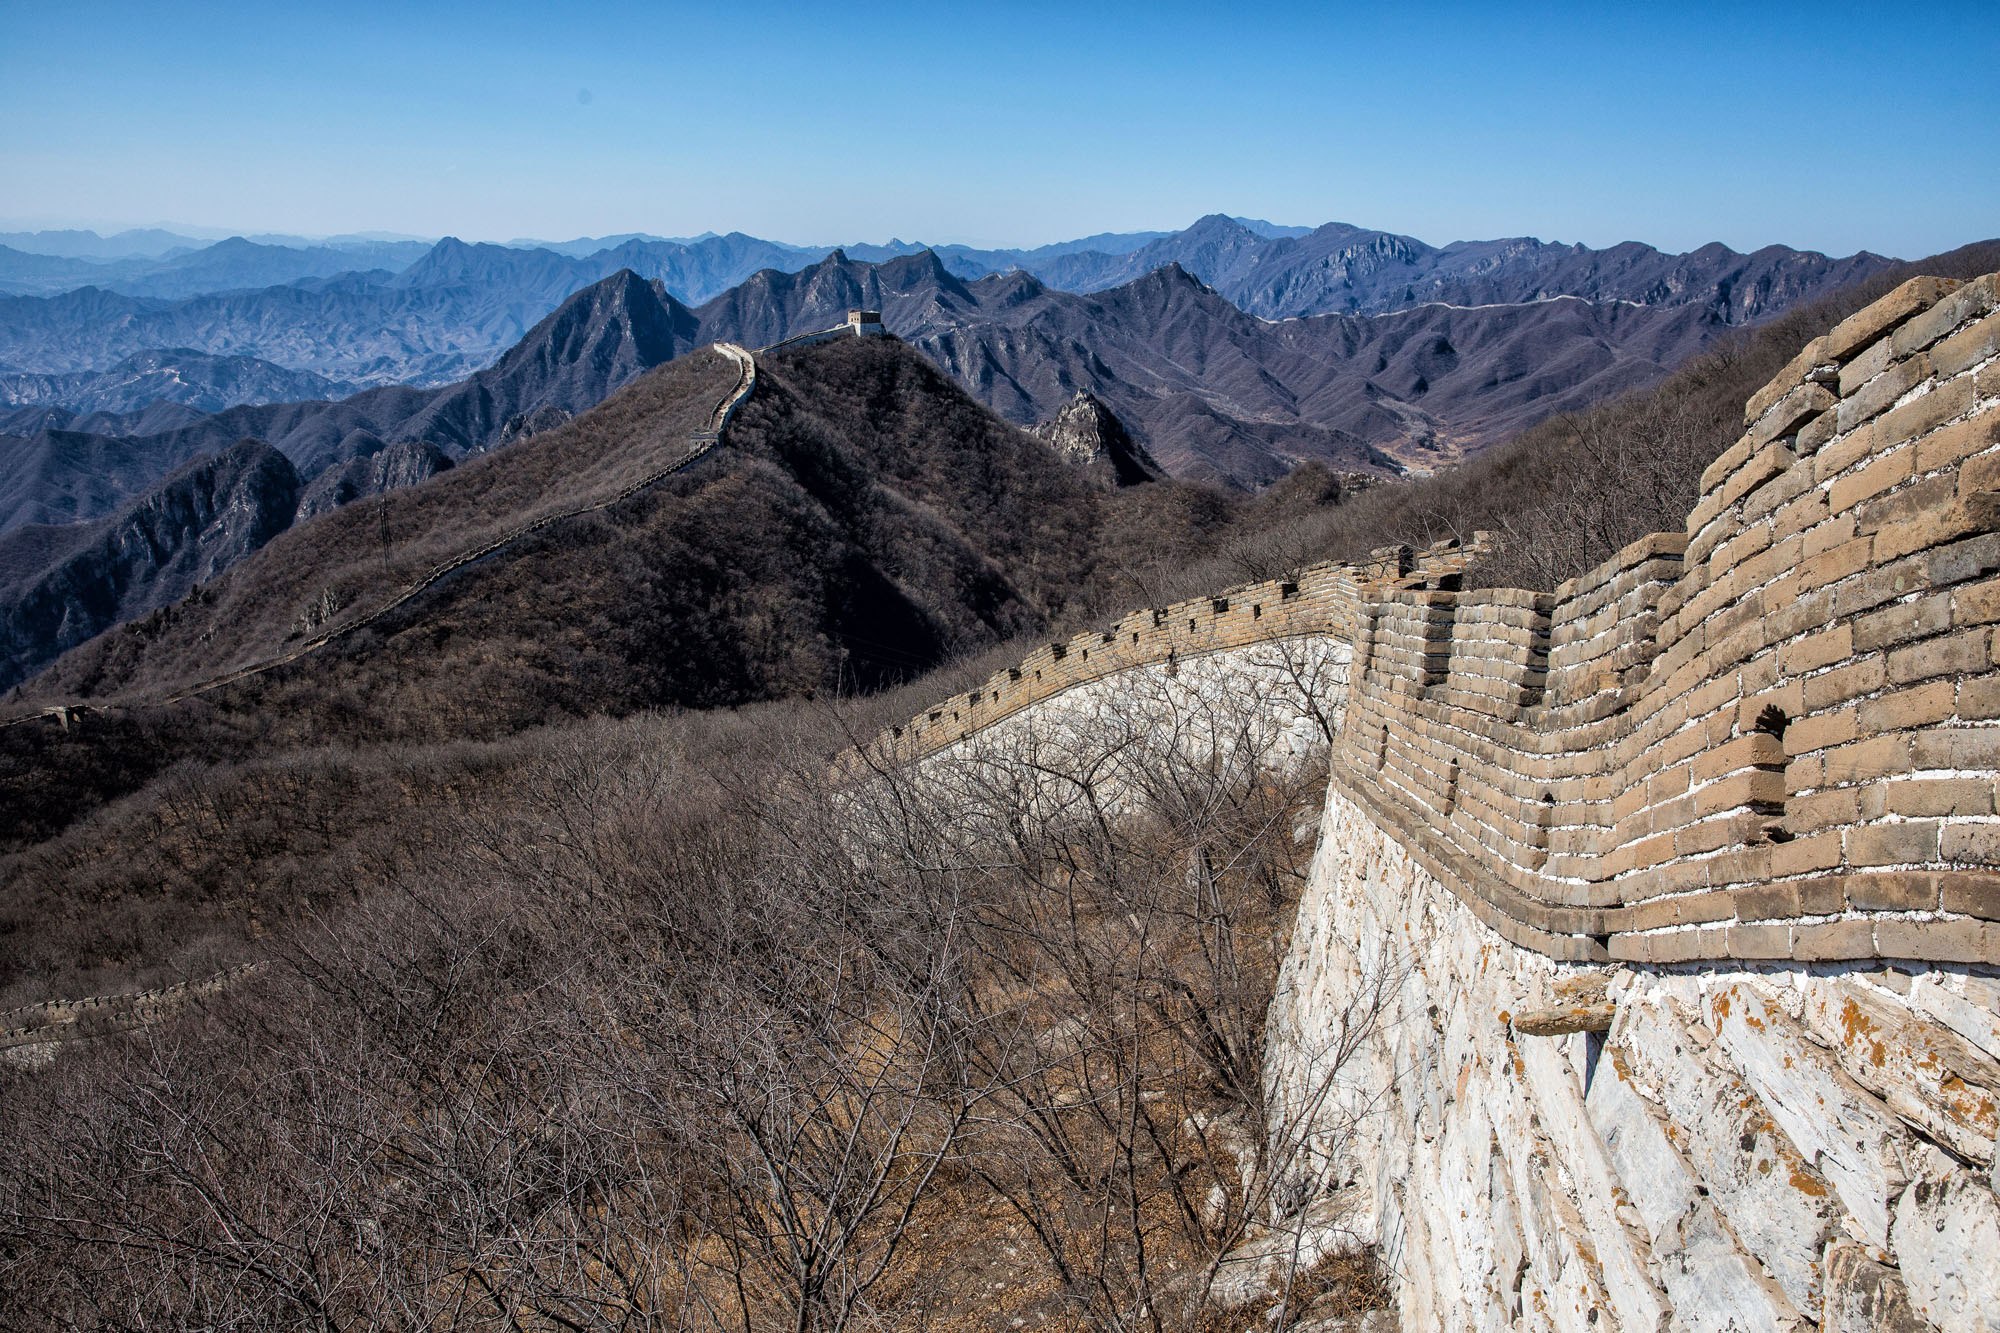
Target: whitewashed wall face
[1277, 703]
[1748, 1147]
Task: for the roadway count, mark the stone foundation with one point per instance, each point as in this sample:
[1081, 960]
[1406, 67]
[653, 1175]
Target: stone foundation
[1748, 1147]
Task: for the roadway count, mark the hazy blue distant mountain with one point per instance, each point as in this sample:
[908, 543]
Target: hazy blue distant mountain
[353, 315]
[1268, 230]
[145, 243]
[1351, 270]
[230, 265]
[179, 375]
[590, 245]
[596, 341]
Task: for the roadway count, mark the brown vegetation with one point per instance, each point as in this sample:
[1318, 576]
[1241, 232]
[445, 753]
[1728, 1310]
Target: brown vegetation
[662, 1031]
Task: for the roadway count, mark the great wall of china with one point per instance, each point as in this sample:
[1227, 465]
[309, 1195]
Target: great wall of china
[1684, 877]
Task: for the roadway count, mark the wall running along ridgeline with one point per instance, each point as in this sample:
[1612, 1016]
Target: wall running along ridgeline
[1776, 736]
[1676, 887]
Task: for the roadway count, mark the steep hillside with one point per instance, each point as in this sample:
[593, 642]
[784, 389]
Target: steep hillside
[1220, 395]
[864, 521]
[593, 343]
[73, 583]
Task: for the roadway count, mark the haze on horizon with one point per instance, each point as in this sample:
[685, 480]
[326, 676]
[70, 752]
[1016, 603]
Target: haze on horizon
[1828, 127]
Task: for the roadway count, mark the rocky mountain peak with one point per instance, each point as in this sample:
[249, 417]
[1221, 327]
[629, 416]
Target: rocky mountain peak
[1088, 435]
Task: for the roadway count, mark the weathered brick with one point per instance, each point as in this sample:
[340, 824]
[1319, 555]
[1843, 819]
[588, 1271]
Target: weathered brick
[1911, 842]
[1891, 891]
[1947, 523]
[1826, 533]
[1877, 358]
[1963, 748]
[1766, 902]
[1879, 394]
[1754, 787]
[1902, 623]
[1985, 381]
[1968, 347]
[1830, 645]
[1724, 467]
[1960, 440]
[1961, 654]
[1812, 436]
[1830, 566]
[1793, 375]
[1973, 893]
[1943, 797]
[1822, 731]
[1976, 604]
[1967, 303]
[1804, 855]
[1818, 810]
[1962, 560]
[1760, 942]
[1833, 941]
[1917, 500]
[1864, 761]
[1938, 941]
[1979, 698]
[1977, 843]
[1844, 682]
[1920, 416]
[1863, 327]
[1842, 452]
[1919, 706]
[1891, 469]
[1758, 748]
[1782, 418]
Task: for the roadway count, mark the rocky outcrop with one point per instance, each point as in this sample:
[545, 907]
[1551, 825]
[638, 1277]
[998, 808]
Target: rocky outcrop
[375, 468]
[1089, 436]
[152, 553]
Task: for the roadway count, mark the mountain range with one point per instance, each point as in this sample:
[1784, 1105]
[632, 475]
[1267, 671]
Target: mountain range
[123, 488]
[1210, 391]
[866, 520]
[455, 307]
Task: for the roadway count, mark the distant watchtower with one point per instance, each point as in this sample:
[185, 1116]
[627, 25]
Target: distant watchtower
[866, 323]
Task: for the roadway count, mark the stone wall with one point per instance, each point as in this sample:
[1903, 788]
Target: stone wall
[1775, 736]
[29, 1035]
[1324, 601]
[1749, 1146]
[1681, 882]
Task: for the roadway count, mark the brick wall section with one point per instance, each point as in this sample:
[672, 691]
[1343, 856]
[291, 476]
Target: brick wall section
[1776, 736]
[1324, 599]
[58, 1020]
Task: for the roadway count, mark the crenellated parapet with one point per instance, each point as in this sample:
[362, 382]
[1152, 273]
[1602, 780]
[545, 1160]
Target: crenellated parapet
[1775, 736]
[1323, 600]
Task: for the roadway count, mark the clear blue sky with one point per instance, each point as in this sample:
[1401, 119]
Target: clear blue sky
[1829, 126]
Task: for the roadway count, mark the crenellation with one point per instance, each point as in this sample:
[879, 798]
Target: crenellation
[1758, 738]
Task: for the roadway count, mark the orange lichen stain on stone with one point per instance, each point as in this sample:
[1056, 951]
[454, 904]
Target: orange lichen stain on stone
[1860, 1030]
[1805, 1182]
[1722, 1005]
[1973, 1106]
